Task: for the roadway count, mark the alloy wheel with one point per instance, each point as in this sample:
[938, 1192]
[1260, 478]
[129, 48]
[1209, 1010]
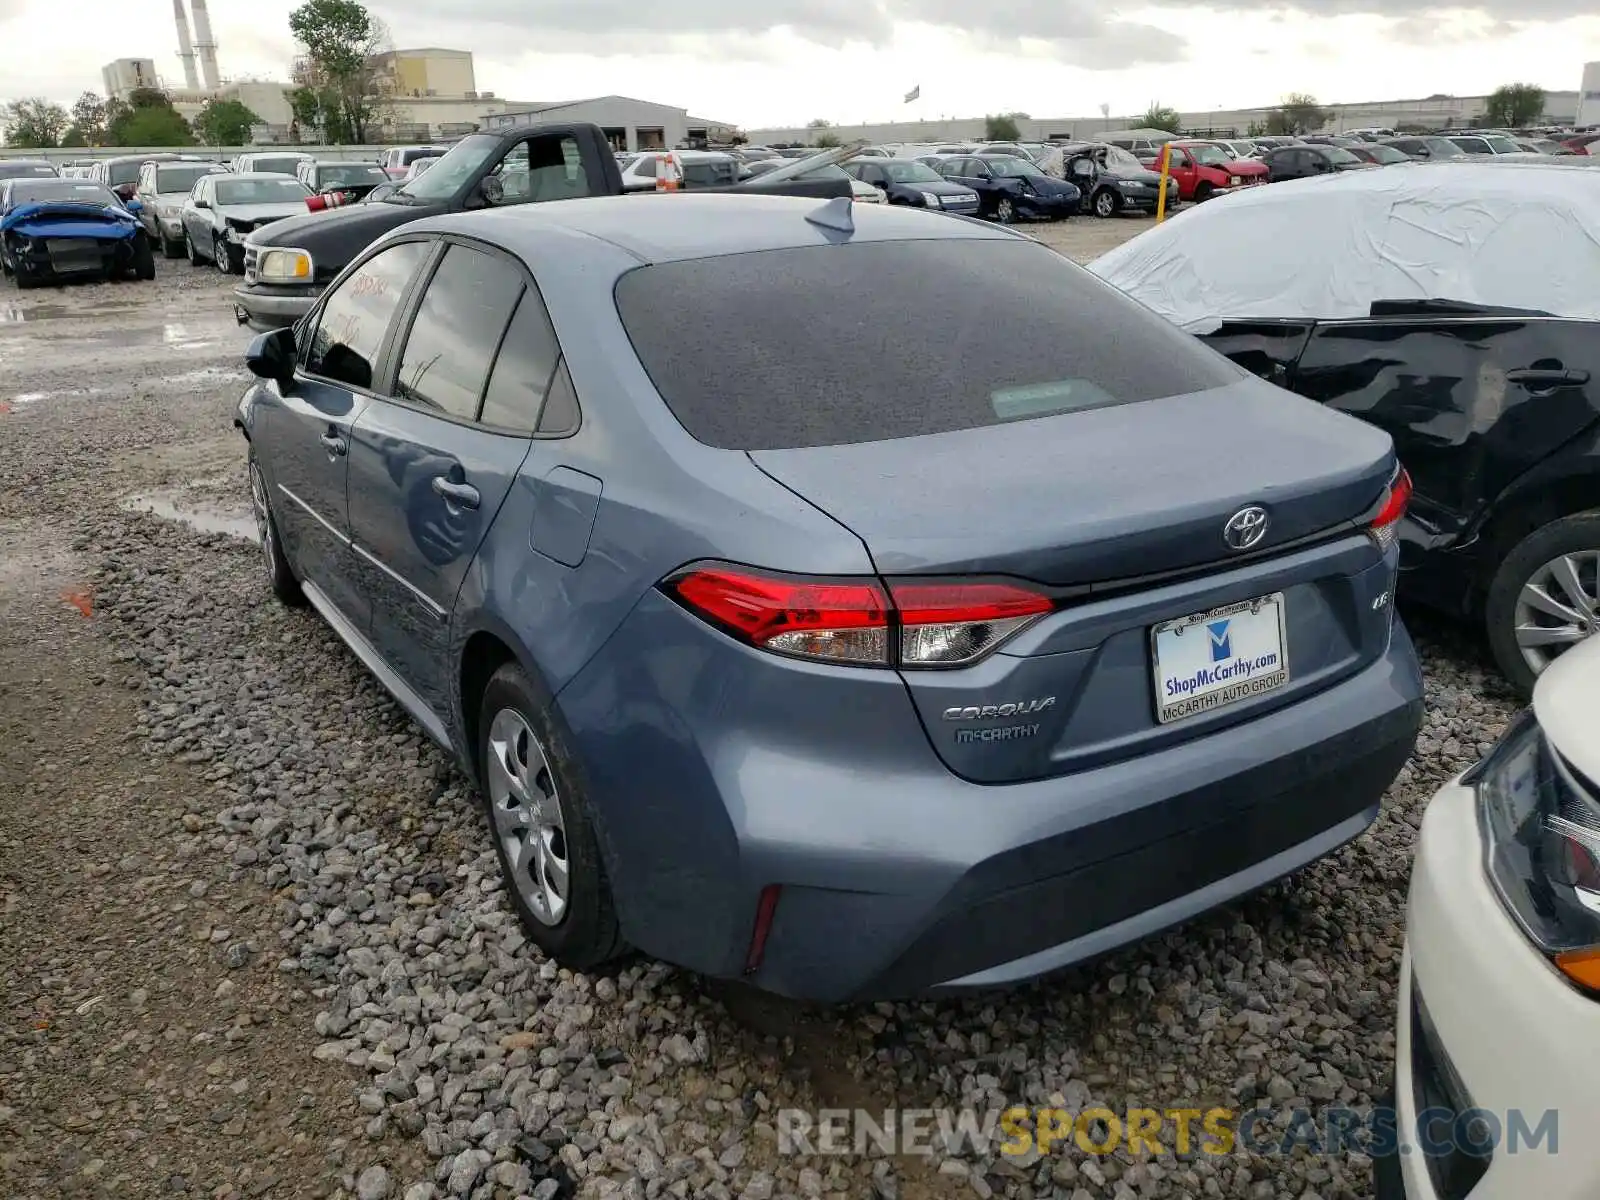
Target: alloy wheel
[1558, 607]
[528, 818]
[263, 515]
[1105, 203]
[1006, 211]
[219, 255]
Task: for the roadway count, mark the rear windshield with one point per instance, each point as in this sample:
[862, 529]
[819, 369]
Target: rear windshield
[833, 345]
[120, 173]
[275, 166]
[21, 170]
[710, 174]
[358, 173]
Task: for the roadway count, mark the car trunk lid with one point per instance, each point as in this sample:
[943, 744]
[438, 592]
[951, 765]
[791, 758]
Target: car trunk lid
[1118, 514]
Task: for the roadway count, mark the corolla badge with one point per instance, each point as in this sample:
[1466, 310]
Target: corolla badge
[993, 712]
[1245, 528]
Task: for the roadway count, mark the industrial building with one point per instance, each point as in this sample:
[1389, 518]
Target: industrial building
[1431, 112]
[629, 124]
[432, 93]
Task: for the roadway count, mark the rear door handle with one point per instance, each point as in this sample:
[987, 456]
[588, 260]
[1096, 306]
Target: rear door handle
[1538, 378]
[334, 444]
[463, 495]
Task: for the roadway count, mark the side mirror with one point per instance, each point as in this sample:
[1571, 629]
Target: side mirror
[272, 355]
[492, 190]
[202, 204]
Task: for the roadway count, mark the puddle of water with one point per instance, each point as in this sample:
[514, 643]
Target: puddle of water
[203, 375]
[15, 314]
[181, 337]
[201, 515]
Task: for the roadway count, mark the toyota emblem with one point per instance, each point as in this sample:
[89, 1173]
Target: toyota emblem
[1245, 528]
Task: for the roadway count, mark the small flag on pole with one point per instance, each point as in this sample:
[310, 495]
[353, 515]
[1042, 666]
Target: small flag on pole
[914, 93]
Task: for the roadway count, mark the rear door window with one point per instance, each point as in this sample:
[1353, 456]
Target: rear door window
[521, 377]
[875, 340]
[456, 331]
[356, 316]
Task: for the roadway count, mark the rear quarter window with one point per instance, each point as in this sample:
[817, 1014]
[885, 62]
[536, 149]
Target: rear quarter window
[834, 345]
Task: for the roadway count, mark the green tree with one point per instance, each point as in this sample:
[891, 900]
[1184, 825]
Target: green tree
[1516, 104]
[1299, 113]
[225, 123]
[146, 119]
[34, 123]
[89, 119]
[73, 138]
[1159, 116]
[341, 38]
[826, 140]
[1001, 127]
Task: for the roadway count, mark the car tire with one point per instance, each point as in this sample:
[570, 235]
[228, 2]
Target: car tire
[1541, 561]
[1106, 203]
[222, 255]
[144, 258]
[191, 251]
[1202, 193]
[538, 814]
[280, 575]
[171, 249]
[1005, 211]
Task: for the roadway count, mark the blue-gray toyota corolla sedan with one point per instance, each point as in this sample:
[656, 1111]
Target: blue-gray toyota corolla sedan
[861, 602]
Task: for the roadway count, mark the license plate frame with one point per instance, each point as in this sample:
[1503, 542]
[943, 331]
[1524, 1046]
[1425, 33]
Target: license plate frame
[1242, 671]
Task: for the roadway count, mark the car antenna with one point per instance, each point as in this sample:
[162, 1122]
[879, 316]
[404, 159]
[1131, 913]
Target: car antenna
[835, 214]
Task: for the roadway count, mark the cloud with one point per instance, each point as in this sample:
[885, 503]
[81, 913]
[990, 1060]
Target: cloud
[1095, 28]
[1097, 39]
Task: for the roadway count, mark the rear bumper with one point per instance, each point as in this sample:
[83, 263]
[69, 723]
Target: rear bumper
[898, 878]
[264, 309]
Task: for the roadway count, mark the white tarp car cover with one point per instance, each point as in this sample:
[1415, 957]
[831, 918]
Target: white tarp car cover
[1523, 236]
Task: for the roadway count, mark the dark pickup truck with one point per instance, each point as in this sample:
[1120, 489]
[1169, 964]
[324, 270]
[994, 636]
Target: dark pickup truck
[289, 263]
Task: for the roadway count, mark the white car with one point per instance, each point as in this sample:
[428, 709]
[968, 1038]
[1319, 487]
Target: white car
[1500, 981]
[696, 168]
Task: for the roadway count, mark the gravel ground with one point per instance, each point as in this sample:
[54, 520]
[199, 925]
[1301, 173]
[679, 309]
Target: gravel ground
[255, 944]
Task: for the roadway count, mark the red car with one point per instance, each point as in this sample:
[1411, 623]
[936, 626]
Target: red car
[1204, 170]
[1581, 143]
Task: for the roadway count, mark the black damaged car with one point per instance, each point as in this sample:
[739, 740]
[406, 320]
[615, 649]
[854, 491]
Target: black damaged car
[1113, 181]
[1479, 353]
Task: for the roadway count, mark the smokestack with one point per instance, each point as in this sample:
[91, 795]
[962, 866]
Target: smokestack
[185, 47]
[205, 45]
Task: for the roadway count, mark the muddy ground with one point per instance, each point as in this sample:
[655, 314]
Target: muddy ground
[169, 1029]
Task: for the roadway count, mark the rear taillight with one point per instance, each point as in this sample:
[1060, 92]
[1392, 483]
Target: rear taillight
[949, 623]
[858, 621]
[1385, 527]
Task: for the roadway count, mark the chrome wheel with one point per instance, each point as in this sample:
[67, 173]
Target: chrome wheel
[1558, 607]
[1105, 204]
[1005, 211]
[258, 504]
[527, 817]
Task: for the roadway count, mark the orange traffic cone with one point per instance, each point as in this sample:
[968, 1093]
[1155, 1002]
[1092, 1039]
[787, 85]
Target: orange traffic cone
[668, 177]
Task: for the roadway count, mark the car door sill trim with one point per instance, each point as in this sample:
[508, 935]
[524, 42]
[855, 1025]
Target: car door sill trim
[414, 704]
[422, 597]
[320, 519]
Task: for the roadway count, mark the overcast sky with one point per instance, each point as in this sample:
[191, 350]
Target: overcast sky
[772, 62]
